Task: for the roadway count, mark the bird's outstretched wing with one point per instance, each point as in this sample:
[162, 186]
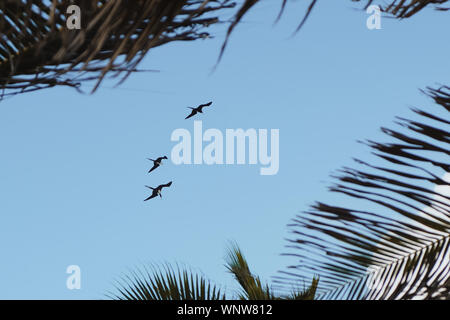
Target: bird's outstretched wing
[166, 185]
[193, 113]
[153, 168]
[152, 196]
[205, 104]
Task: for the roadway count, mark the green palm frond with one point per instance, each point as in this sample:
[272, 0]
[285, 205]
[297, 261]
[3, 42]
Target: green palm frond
[398, 246]
[166, 283]
[305, 293]
[252, 288]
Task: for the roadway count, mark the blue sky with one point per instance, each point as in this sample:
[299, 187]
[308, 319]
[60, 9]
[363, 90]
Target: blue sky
[73, 167]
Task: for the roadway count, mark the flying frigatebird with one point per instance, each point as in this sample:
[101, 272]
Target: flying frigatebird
[157, 191]
[156, 163]
[198, 109]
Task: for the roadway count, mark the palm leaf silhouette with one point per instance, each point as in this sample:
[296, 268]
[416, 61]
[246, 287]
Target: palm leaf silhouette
[253, 288]
[167, 283]
[38, 51]
[405, 9]
[398, 248]
[397, 8]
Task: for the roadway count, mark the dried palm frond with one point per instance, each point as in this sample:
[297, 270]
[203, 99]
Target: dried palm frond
[37, 49]
[397, 8]
[407, 8]
[396, 245]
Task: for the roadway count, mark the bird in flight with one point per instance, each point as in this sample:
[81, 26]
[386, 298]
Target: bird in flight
[157, 191]
[156, 163]
[198, 109]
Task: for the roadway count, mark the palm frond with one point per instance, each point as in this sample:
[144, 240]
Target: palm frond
[38, 51]
[165, 283]
[406, 9]
[252, 288]
[305, 293]
[397, 244]
[397, 8]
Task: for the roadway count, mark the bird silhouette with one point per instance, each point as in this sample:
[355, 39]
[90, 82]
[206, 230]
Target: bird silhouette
[198, 109]
[156, 163]
[157, 191]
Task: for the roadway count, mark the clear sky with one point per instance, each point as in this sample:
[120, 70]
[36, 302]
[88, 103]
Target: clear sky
[73, 167]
